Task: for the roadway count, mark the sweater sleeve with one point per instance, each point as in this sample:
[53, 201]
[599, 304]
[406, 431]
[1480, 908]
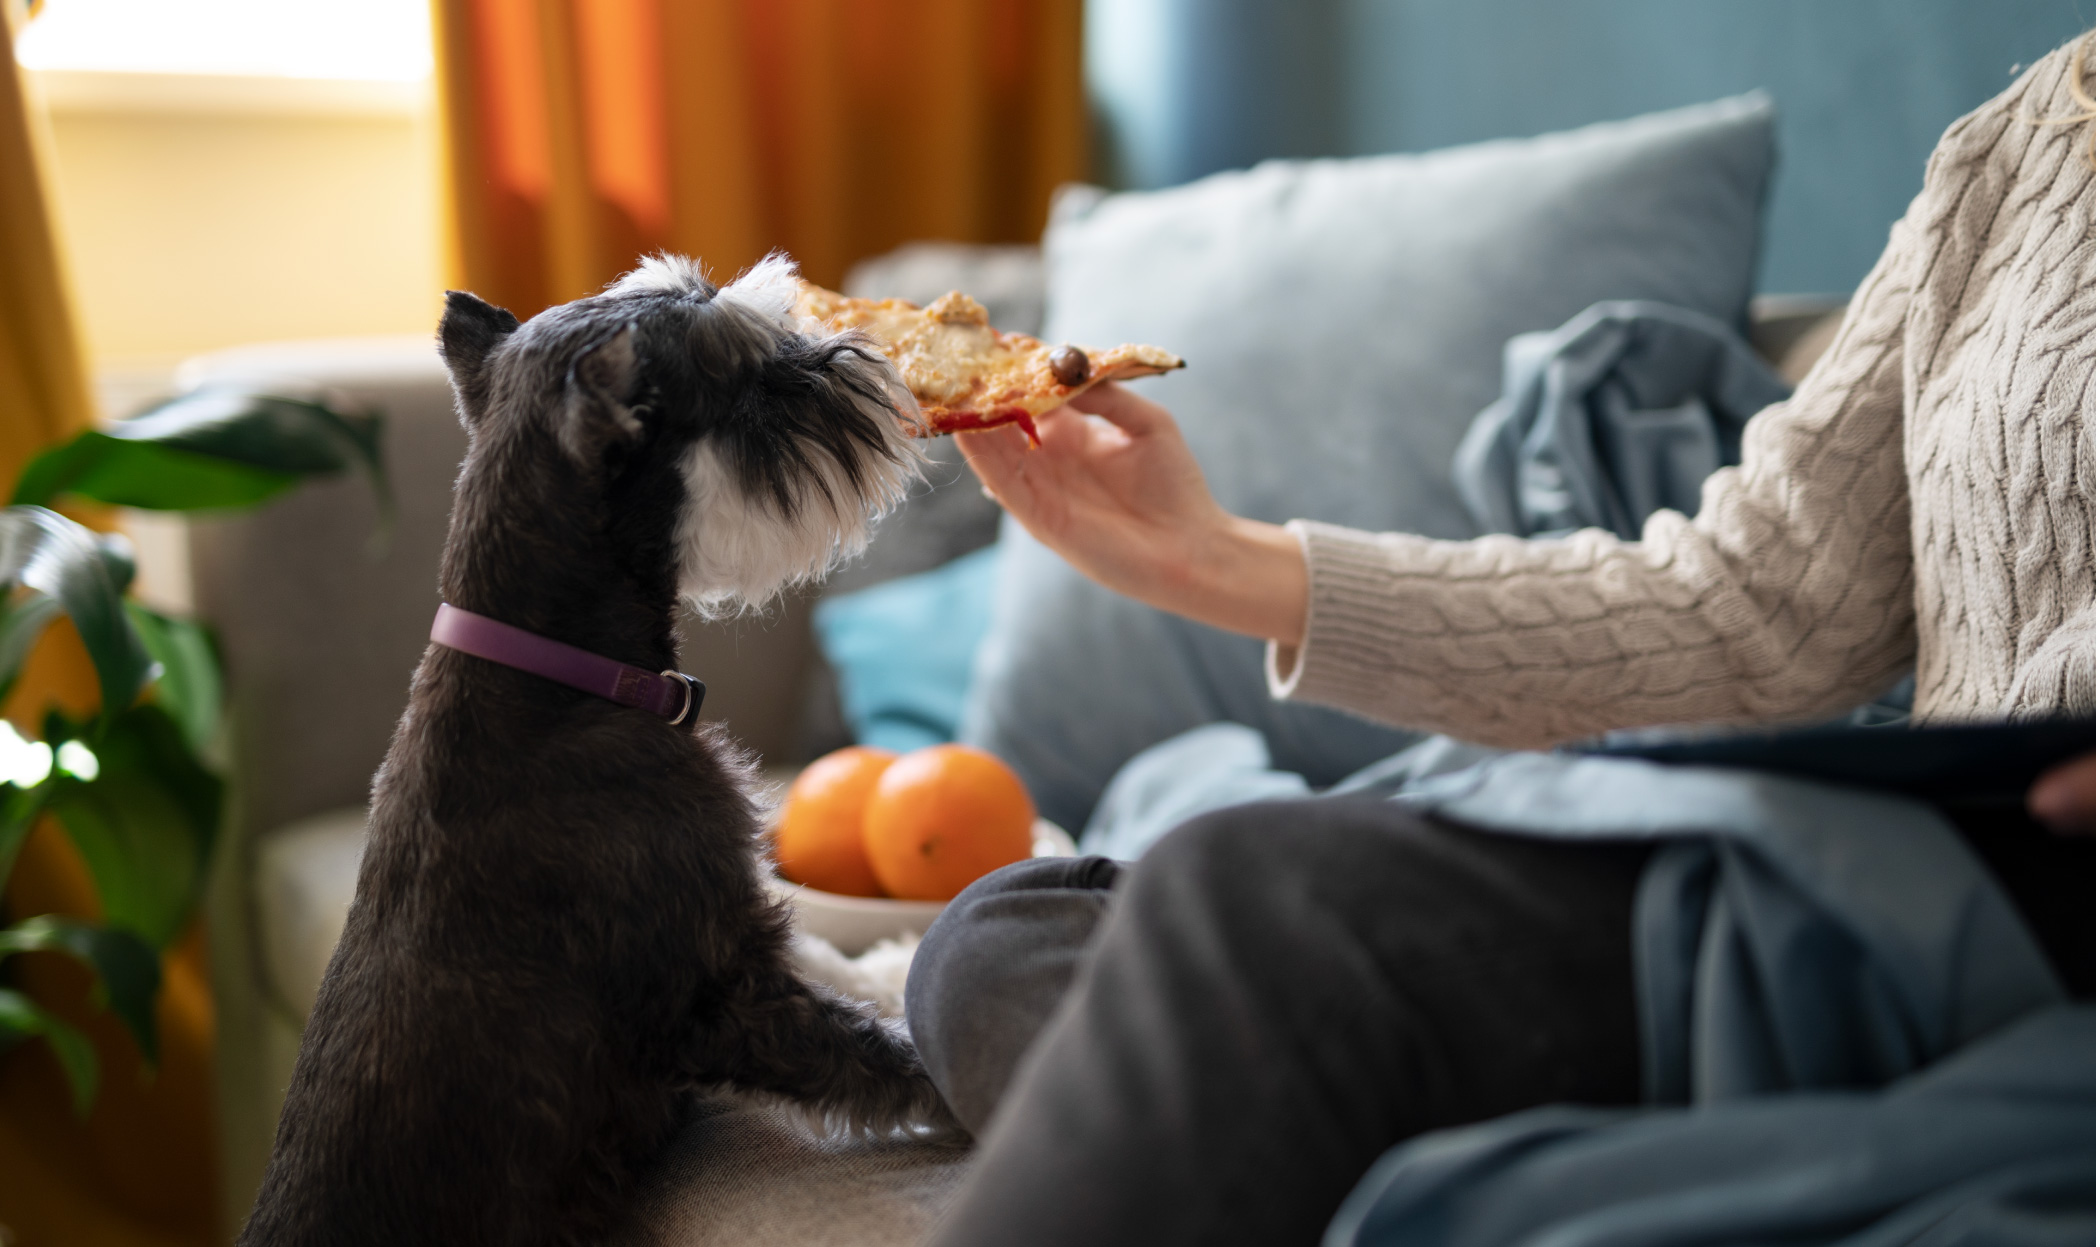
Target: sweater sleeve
[1788, 596]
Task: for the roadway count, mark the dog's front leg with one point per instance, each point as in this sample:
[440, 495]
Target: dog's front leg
[832, 1056]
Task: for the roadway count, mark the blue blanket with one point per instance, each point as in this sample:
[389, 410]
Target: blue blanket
[1992, 1145]
[1623, 411]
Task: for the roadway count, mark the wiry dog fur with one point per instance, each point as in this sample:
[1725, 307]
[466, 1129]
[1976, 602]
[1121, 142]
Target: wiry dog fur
[559, 932]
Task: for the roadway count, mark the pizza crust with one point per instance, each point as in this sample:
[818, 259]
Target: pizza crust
[964, 373]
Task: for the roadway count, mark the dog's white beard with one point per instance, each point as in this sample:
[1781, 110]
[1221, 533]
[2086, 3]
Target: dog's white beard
[739, 550]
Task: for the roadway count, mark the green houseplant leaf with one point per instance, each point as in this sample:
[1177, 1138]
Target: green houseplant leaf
[19, 808]
[127, 787]
[87, 573]
[127, 968]
[209, 449]
[142, 810]
[145, 475]
[21, 1017]
[190, 689]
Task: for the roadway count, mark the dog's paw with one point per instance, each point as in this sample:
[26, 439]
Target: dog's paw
[944, 1129]
[915, 1111]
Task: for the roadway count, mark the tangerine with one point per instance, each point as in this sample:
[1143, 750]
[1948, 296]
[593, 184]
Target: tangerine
[943, 816]
[819, 841]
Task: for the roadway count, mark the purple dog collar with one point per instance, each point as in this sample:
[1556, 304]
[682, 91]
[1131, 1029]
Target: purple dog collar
[670, 695]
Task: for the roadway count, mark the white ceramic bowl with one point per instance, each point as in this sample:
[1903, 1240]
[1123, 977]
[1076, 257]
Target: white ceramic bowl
[852, 924]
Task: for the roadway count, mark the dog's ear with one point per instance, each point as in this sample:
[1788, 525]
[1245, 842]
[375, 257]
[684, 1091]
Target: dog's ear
[469, 330]
[595, 412]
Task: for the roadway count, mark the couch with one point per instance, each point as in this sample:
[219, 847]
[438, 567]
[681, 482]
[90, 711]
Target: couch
[321, 615]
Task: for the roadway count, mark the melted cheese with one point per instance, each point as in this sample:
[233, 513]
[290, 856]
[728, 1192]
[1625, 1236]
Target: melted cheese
[965, 373]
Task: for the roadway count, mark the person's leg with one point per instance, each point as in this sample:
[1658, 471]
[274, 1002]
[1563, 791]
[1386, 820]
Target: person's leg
[1280, 992]
[992, 969]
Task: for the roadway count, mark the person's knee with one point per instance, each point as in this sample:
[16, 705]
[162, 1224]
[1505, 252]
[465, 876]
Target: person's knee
[1032, 874]
[1265, 846]
[1265, 875]
[1219, 879]
[1226, 843]
[991, 969]
[1011, 908]
[1327, 831]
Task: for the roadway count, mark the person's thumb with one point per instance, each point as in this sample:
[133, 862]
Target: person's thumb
[2062, 799]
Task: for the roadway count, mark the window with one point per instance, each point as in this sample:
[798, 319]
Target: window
[343, 40]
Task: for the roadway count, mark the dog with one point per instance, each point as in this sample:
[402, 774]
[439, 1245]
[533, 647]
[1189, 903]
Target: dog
[560, 935]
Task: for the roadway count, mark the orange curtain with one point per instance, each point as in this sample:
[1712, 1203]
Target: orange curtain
[140, 1170]
[585, 133]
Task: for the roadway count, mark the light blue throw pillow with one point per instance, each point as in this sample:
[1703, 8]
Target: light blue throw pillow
[1343, 323]
[902, 651]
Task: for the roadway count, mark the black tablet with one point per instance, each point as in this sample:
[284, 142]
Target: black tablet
[1970, 763]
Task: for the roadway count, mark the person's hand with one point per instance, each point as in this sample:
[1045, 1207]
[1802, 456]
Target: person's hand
[1115, 491]
[2062, 799]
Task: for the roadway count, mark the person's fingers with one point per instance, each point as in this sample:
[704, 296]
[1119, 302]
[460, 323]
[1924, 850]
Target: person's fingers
[994, 451]
[1059, 424]
[995, 456]
[1134, 415]
[1074, 444]
[2062, 799]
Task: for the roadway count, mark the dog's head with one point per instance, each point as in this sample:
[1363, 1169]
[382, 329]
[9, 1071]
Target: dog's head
[701, 417]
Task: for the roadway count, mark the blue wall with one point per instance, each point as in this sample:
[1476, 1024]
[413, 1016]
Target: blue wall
[1187, 87]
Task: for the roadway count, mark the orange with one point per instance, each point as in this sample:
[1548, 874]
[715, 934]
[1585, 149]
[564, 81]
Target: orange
[819, 840]
[941, 817]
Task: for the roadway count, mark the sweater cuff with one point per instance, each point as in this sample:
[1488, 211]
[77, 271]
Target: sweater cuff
[1348, 619]
[1281, 662]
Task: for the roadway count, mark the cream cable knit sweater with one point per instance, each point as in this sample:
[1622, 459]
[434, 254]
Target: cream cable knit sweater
[1925, 498]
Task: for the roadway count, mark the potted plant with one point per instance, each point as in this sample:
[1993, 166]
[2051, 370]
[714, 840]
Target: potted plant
[131, 785]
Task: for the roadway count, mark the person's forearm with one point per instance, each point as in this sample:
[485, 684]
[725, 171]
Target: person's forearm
[1246, 577]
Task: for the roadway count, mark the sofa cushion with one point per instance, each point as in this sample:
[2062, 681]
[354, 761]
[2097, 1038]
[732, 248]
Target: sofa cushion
[305, 877]
[902, 650]
[321, 610]
[1343, 322]
[749, 1175]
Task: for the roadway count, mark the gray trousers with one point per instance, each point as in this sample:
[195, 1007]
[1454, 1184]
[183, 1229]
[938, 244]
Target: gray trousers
[1211, 1046]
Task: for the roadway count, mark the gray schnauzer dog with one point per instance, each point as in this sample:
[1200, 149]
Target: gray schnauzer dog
[560, 934]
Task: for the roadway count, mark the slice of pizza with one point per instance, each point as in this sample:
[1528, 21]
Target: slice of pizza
[968, 375]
